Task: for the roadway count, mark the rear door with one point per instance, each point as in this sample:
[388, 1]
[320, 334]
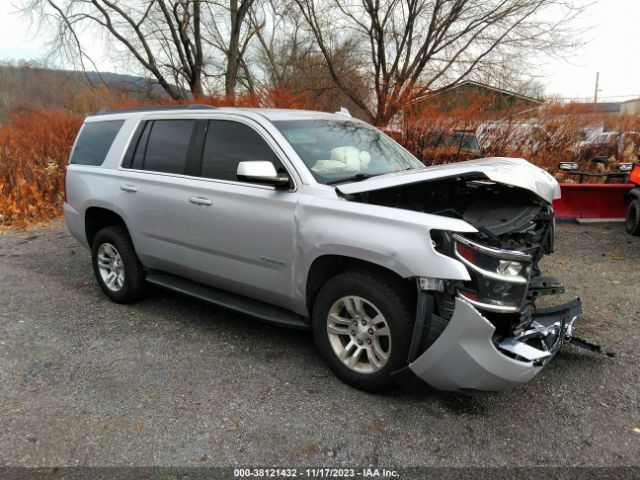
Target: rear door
[155, 193]
[244, 240]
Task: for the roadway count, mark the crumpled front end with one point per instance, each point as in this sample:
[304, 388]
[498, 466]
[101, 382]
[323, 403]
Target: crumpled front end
[469, 354]
[486, 333]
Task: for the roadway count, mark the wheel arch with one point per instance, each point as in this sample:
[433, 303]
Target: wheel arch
[325, 267]
[97, 218]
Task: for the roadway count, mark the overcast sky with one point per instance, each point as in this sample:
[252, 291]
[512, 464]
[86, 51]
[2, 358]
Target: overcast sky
[612, 49]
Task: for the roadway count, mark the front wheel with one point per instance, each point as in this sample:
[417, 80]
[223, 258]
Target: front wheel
[362, 323]
[632, 220]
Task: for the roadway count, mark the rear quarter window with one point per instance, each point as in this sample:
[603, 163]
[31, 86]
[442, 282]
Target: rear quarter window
[94, 142]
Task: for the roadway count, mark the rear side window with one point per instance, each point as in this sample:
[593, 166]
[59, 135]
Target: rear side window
[94, 142]
[229, 143]
[167, 146]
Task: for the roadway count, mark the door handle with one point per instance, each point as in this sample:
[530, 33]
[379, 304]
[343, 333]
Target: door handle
[200, 201]
[128, 188]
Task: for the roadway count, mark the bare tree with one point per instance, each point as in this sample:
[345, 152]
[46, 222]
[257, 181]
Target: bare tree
[281, 42]
[163, 37]
[166, 38]
[238, 11]
[283, 55]
[230, 31]
[412, 47]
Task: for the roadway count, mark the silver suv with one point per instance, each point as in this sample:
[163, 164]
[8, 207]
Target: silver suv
[320, 221]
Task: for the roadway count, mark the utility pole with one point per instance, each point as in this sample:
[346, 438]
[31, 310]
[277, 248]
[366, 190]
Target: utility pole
[595, 94]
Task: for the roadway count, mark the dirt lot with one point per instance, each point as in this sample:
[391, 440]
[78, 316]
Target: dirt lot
[171, 381]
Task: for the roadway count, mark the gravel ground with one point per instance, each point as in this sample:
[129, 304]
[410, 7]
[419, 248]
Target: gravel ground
[172, 381]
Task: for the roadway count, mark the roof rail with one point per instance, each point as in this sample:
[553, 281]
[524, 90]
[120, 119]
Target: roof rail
[193, 106]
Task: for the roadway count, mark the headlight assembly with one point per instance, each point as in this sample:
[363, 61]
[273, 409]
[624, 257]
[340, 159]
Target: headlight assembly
[509, 268]
[499, 278]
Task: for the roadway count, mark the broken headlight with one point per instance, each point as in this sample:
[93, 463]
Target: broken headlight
[499, 278]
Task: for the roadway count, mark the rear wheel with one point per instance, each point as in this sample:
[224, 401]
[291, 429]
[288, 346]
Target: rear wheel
[362, 324]
[632, 221]
[116, 266]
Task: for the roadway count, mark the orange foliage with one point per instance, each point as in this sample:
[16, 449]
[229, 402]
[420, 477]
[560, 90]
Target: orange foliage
[36, 142]
[34, 148]
[275, 97]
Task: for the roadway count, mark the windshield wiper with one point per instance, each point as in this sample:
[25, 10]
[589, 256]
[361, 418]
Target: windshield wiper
[358, 177]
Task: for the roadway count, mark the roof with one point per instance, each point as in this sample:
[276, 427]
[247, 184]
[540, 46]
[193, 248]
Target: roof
[632, 100]
[275, 114]
[159, 108]
[272, 114]
[480, 85]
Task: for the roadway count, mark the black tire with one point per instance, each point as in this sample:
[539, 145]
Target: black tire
[632, 221]
[394, 301]
[133, 287]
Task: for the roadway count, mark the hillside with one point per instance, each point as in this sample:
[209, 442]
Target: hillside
[74, 90]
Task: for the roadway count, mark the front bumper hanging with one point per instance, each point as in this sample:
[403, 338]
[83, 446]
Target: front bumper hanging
[465, 356]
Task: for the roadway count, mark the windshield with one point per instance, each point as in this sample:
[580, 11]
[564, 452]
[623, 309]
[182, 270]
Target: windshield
[334, 150]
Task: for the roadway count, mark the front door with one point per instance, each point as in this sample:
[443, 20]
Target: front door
[245, 238]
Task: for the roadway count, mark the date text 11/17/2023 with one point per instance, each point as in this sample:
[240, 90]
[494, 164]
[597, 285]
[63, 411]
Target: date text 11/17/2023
[369, 472]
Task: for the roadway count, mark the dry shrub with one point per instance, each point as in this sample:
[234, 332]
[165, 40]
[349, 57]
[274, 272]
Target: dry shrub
[34, 148]
[275, 97]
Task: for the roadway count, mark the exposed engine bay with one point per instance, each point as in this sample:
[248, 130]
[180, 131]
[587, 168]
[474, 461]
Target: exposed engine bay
[515, 230]
[507, 217]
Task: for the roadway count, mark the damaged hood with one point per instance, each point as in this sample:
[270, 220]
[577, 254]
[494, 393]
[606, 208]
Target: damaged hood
[509, 171]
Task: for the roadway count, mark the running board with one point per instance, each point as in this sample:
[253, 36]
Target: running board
[237, 303]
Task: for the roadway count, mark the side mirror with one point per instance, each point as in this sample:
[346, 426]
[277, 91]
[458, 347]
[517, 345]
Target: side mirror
[261, 172]
[568, 166]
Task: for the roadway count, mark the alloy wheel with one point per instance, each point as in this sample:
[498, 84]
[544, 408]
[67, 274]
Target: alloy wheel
[359, 334]
[111, 267]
